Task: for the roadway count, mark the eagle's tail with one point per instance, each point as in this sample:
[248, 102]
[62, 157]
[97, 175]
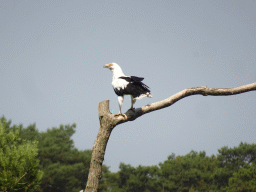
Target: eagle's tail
[144, 95]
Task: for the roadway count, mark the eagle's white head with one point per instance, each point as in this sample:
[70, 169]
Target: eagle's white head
[115, 68]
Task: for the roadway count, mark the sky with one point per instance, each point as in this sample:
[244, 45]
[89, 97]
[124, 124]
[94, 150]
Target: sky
[51, 71]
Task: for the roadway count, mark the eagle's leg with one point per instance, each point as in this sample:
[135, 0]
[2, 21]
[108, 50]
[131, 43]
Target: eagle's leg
[119, 113]
[120, 103]
[132, 102]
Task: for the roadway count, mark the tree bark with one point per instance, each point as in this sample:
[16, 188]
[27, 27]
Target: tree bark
[98, 150]
[108, 121]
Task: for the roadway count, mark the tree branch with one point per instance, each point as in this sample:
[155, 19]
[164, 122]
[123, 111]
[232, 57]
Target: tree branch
[108, 121]
[22, 177]
[204, 90]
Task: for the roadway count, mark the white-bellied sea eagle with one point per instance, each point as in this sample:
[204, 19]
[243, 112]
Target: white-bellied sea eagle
[127, 85]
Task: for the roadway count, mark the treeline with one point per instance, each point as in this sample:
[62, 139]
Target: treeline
[58, 166]
[48, 162]
[231, 170]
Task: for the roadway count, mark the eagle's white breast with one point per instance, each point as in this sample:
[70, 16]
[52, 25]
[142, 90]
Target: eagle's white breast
[119, 84]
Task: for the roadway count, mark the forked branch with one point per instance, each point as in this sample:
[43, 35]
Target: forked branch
[108, 121]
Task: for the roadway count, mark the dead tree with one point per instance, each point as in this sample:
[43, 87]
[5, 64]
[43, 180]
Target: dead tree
[108, 121]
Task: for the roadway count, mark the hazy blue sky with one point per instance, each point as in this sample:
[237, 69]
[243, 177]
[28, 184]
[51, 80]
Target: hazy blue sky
[51, 71]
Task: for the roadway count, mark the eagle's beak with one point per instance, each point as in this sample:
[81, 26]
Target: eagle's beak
[106, 66]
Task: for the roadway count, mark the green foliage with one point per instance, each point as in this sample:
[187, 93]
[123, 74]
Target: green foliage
[234, 169]
[237, 156]
[56, 144]
[244, 179]
[108, 181]
[65, 168]
[18, 163]
[130, 179]
[143, 178]
[191, 172]
[231, 160]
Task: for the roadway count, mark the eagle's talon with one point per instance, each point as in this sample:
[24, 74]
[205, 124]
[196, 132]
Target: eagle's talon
[118, 114]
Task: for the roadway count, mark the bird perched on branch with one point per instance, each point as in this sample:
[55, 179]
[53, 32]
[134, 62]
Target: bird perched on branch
[127, 85]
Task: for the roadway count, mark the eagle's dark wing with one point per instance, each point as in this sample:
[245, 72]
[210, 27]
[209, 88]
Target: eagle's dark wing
[136, 81]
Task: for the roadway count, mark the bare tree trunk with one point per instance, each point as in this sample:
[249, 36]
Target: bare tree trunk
[98, 150]
[108, 121]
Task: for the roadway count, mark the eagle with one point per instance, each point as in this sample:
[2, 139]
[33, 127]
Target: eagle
[127, 85]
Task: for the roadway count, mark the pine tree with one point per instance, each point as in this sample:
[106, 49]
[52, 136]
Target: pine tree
[19, 166]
